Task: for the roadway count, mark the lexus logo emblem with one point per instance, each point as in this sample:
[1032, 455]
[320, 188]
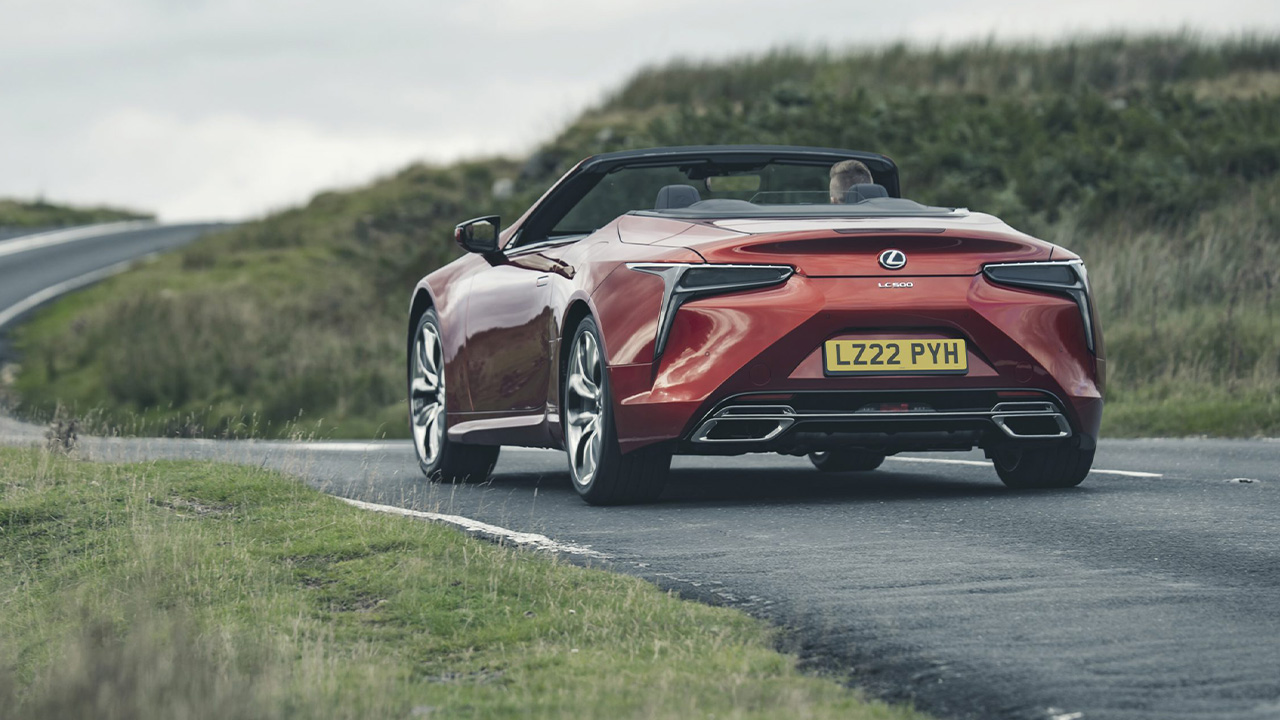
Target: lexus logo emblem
[893, 259]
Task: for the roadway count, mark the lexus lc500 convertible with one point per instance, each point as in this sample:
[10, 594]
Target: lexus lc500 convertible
[723, 300]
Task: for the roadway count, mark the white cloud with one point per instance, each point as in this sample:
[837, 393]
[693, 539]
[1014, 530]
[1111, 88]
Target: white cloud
[220, 166]
[1018, 19]
[199, 108]
[233, 165]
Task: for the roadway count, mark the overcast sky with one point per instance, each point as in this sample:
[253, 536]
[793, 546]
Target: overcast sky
[233, 108]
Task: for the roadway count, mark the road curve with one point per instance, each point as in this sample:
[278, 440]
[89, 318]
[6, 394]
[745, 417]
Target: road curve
[32, 264]
[1150, 592]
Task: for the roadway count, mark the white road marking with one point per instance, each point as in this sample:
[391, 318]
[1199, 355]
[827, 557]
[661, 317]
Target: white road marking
[404, 444]
[943, 461]
[8, 314]
[377, 445]
[1127, 473]
[59, 237]
[364, 447]
[534, 540]
[986, 463]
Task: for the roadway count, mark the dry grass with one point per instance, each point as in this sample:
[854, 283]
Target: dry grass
[1192, 323]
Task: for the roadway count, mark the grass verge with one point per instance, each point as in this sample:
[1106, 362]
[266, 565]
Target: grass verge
[192, 590]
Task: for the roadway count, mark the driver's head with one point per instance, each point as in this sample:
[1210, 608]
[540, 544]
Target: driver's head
[844, 175]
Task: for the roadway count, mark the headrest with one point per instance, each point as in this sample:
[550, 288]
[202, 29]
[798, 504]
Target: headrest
[864, 191]
[673, 197]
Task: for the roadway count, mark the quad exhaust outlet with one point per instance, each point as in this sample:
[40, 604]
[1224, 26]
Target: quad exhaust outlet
[763, 423]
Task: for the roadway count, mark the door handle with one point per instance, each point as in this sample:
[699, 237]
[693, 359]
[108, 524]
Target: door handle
[543, 280]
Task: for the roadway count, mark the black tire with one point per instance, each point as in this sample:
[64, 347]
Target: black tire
[452, 462]
[1038, 468]
[846, 460]
[615, 478]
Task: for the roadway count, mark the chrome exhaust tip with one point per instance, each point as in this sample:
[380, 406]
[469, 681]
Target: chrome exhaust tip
[1033, 426]
[746, 423]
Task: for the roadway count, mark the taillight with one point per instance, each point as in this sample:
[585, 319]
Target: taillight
[684, 281]
[1061, 277]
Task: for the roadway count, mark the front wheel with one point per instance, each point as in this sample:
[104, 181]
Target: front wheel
[1055, 466]
[440, 459]
[602, 475]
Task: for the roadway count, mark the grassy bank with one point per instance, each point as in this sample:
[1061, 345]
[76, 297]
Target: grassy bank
[199, 590]
[1156, 158]
[41, 214]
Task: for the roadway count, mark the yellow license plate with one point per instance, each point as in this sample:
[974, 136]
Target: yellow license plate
[895, 357]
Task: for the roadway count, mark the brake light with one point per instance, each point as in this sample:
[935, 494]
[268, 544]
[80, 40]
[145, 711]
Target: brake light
[683, 281]
[1061, 277]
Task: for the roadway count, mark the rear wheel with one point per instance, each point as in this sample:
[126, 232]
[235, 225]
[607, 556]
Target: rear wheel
[602, 475]
[846, 460]
[440, 459]
[1056, 466]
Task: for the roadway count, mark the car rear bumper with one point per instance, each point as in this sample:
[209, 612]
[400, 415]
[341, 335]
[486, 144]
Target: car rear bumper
[882, 421]
[756, 358]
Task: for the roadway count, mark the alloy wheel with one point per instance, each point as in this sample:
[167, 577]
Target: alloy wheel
[584, 401]
[426, 394]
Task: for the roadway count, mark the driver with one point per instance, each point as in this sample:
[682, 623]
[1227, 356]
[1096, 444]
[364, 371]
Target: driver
[844, 175]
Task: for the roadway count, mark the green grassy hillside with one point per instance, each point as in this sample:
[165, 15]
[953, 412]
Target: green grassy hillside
[1156, 158]
[40, 214]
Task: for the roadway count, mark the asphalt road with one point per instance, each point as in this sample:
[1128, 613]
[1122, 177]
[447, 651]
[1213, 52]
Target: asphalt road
[34, 269]
[1151, 591]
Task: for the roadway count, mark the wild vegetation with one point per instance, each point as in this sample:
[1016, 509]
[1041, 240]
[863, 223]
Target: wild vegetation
[1155, 158]
[17, 214]
[196, 590]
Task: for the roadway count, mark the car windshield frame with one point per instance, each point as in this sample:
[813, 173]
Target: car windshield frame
[538, 226]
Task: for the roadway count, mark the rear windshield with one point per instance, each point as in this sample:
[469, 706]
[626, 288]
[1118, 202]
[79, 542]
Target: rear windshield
[717, 190]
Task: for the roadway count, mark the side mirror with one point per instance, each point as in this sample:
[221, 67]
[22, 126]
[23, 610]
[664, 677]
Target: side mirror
[479, 235]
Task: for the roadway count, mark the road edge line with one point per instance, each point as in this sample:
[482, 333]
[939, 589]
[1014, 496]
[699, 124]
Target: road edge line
[491, 532]
[358, 446]
[38, 241]
[31, 302]
[984, 463]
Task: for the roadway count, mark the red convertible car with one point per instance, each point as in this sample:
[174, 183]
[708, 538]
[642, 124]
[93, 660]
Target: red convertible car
[739, 299]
